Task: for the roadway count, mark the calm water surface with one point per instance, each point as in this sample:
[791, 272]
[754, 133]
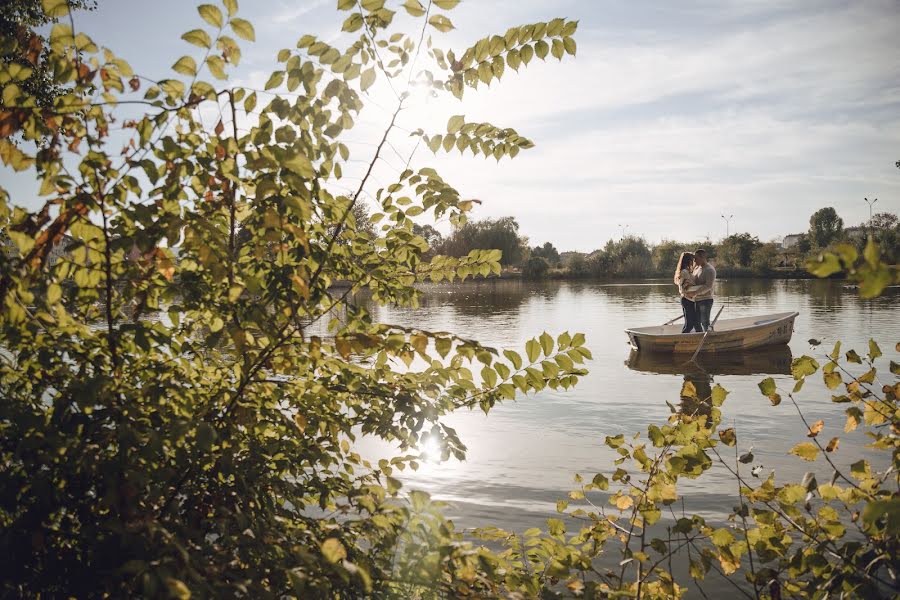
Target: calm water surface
[522, 457]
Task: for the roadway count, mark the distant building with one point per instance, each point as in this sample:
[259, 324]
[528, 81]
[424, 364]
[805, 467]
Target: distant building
[8, 246]
[792, 240]
[855, 233]
[58, 251]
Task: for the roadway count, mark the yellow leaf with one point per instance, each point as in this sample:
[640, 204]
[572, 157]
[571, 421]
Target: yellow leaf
[806, 451]
[728, 436]
[300, 421]
[623, 502]
[333, 550]
[816, 428]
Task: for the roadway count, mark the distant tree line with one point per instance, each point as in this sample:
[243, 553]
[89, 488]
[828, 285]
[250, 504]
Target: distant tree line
[632, 256]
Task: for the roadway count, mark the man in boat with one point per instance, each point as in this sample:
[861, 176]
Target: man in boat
[705, 277]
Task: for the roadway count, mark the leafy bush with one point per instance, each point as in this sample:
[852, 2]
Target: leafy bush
[535, 267]
[178, 399]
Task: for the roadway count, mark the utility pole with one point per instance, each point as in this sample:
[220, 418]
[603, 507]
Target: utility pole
[727, 224]
[870, 203]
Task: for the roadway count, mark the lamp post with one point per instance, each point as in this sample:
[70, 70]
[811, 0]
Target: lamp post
[623, 228]
[870, 203]
[727, 224]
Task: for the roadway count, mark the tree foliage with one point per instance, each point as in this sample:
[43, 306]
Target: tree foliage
[181, 394]
[825, 227]
[737, 250]
[547, 252]
[25, 50]
[496, 234]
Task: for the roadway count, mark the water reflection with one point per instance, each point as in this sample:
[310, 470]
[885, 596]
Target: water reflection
[523, 455]
[775, 360]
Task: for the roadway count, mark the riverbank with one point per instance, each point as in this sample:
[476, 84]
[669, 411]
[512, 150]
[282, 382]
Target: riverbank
[565, 274]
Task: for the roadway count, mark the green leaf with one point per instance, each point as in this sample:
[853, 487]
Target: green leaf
[353, 23]
[569, 45]
[557, 49]
[767, 386]
[54, 293]
[832, 379]
[770, 390]
[55, 8]
[541, 49]
[533, 350]
[177, 589]
[718, 395]
[826, 264]
[414, 8]
[186, 66]
[333, 550]
[211, 14]
[556, 527]
[300, 164]
[886, 511]
[198, 37]
[874, 350]
[446, 4]
[872, 281]
[803, 366]
[367, 79]
[546, 343]
[275, 80]
[443, 345]
[806, 451]
[615, 441]
[216, 66]
[243, 29]
[514, 358]
[728, 436]
[836, 352]
[455, 123]
[871, 253]
[441, 23]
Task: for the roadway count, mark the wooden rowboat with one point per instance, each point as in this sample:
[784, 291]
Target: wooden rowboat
[729, 335]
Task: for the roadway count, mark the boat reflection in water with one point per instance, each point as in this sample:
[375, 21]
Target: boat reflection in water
[772, 360]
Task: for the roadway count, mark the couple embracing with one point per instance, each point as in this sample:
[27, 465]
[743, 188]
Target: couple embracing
[695, 277]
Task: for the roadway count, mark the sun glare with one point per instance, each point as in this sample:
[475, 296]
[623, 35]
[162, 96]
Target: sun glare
[429, 449]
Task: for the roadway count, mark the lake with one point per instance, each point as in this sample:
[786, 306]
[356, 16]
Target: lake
[522, 457]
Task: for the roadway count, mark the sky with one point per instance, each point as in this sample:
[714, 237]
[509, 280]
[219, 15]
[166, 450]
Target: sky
[670, 116]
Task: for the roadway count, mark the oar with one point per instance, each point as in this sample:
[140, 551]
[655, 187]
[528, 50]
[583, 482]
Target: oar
[673, 320]
[711, 325]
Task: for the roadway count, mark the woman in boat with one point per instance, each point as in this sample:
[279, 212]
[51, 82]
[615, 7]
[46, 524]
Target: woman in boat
[684, 279]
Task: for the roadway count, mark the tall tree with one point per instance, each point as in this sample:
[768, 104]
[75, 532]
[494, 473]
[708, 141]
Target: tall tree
[548, 252]
[496, 234]
[737, 249]
[825, 226]
[883, 220]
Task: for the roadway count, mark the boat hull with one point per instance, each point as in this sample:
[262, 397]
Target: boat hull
[730, 335]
